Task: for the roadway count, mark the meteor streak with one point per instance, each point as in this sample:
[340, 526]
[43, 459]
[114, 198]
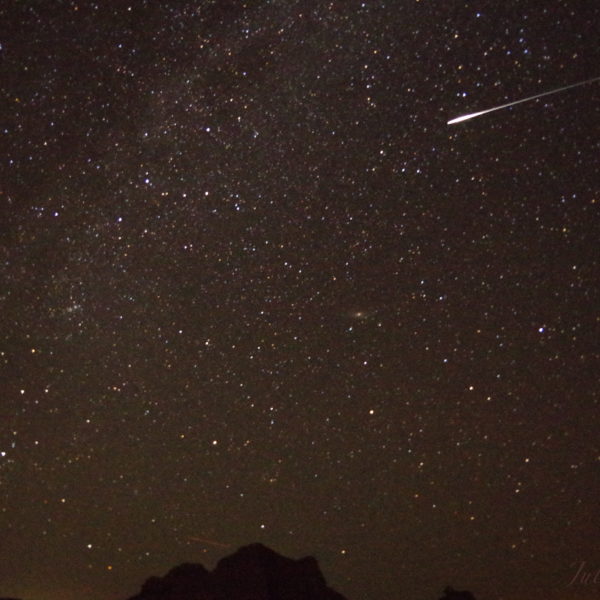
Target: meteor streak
[209, 542]
[483, 112]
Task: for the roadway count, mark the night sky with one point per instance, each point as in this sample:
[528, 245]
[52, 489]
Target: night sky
[255, 288]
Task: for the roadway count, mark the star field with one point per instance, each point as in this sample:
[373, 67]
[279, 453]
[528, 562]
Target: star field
[255, 288]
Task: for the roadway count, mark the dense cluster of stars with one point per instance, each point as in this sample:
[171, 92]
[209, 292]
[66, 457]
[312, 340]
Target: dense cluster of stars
[256, 289]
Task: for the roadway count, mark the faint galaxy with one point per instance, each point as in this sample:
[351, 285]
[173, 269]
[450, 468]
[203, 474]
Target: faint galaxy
[254, 288]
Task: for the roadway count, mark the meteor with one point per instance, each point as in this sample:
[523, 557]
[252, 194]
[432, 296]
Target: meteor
[489, 110]
[209, 542]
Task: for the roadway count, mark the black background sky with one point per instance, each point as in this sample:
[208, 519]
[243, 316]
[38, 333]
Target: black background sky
[255, 288]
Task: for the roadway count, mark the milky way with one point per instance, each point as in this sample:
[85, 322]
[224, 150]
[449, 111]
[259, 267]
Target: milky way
[254, 288]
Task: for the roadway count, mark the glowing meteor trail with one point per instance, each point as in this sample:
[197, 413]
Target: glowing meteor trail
[483, 112]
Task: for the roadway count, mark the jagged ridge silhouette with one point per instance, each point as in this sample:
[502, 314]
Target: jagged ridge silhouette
[253, 572]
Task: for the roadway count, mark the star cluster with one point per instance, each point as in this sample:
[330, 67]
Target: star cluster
[255, 288]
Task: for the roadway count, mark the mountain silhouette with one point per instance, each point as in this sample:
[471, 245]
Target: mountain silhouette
[451, 594]
[253, 572]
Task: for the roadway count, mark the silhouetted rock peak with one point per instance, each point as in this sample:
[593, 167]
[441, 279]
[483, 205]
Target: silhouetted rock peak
[181, 582]
[251, 553]
[253, 572]
[451, 594]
